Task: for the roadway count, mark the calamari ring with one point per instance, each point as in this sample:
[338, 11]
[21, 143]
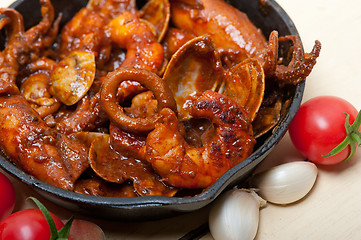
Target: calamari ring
[116, 113]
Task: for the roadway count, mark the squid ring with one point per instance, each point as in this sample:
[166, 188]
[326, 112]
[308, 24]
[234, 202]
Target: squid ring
[116, 113]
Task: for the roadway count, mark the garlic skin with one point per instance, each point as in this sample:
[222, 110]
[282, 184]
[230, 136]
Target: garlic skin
[286, 183]
[235, 215]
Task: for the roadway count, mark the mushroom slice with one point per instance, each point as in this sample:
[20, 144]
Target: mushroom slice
[157, 12]
[194, 68]
[72, 77]
[113, 167]
[245, 84]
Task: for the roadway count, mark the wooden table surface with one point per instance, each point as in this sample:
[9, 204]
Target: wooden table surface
[332, 210]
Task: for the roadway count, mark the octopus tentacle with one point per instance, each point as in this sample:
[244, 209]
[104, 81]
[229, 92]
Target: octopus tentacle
[21, 46]
[116, 113]
[271, 57]
[87, 116]
[52, 34]
[21, 42]
[300, 65]
[14, 23]
[4, 21]
[37, 32]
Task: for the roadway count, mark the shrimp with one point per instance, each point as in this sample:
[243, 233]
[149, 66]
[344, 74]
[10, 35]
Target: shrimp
[128, 31]
[184, 166]
[237, 38]
[173, 40]
[110, 9]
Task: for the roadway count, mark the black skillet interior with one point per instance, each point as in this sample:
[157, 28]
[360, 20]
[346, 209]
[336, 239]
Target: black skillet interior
[267, 16]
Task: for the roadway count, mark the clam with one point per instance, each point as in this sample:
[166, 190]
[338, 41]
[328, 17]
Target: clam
[72, 77]
[116, 168]
[194, 68]
[245, 84]
[268, 117]
[157, 12]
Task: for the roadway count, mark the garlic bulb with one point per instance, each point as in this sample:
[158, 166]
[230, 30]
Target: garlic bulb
[286, 183]
[235, 215]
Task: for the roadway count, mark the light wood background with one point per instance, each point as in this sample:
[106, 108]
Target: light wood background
[332, 210]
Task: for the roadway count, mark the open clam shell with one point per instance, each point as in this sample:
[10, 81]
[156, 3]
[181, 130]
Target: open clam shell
[245, 84]
[72, 77]
[113, 167]
[157, 12]
[194, 68]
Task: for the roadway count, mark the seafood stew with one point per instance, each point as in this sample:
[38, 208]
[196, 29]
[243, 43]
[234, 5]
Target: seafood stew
[164, 112]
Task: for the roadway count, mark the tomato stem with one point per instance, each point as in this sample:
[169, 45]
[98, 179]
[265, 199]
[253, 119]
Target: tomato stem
[63, 233]
[353, 137]
[49, 219]
[339, 147]
[356, 138]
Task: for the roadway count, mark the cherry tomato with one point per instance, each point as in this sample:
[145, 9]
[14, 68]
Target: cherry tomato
[29, 224]
[7, 199]
[319, 126]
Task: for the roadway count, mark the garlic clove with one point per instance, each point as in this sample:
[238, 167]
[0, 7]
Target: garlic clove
[286, 183]
[235, 215]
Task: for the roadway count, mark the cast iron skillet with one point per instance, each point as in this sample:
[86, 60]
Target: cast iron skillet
[269, 16]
